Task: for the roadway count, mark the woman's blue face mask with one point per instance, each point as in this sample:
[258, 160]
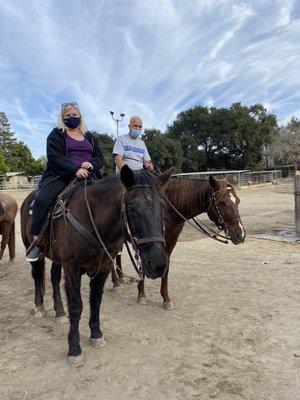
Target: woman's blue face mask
[135, 133]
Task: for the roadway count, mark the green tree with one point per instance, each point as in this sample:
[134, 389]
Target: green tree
[7, 139]
[164, 151]
[106, 145]
[285, 147]
[3, 166]
[224, 138]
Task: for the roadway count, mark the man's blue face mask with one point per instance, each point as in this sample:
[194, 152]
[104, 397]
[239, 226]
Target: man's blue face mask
[135, 133]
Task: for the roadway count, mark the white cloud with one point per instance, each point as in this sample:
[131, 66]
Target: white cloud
[153, 58]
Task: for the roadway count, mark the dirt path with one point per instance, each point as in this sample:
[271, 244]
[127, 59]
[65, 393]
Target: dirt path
[234, 333]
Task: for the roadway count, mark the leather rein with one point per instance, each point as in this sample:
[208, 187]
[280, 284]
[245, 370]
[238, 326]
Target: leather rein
[97, 240]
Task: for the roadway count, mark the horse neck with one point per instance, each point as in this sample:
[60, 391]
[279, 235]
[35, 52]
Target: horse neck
[106, 206]
[189, 196]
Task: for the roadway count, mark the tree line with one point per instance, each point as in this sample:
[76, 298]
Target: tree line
[199, 139]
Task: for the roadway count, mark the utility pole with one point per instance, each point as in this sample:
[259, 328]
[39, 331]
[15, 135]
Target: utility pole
[117, 120]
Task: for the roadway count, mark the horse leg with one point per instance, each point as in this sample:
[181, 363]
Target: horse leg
[141, 299]
[167, 302]
[120, 269]
[55, 280]
[38, 275]
[72, 285]
[12, 243]
[5, 237]
[96, 291]
[114, 277]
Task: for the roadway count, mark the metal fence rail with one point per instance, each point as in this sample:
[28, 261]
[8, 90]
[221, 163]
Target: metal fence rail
[242, 177]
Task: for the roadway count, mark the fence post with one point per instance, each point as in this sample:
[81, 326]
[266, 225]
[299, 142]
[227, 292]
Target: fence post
[297, 202]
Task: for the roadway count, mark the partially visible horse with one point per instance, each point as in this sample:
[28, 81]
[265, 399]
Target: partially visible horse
[192, 197]
[8, 212]
[137, 196]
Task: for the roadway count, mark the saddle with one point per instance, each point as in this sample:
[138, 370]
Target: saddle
[60, 210]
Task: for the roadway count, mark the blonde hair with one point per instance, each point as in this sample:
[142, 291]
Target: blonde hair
[61, 124]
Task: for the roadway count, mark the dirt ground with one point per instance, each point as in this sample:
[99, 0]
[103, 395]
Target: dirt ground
[234, 332]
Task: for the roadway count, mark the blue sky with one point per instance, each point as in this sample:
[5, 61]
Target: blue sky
[153, 58]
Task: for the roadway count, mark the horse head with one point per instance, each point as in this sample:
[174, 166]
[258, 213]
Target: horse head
[223, 208]
[144, 210]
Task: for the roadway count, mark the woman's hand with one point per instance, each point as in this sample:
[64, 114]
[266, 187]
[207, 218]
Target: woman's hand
[87, 165]
[82, 173]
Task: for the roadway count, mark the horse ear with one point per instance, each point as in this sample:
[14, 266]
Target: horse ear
[214, 182]
[165, 176]
[230, 179]
[127, 176]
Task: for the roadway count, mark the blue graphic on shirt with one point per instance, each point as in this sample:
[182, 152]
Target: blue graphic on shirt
[135, 149]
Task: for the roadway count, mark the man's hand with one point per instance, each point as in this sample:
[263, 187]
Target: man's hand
[86, 165]
[119, 161]
[82, 173]
[148, 165]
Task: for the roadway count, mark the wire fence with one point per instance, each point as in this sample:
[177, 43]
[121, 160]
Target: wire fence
[243, 178]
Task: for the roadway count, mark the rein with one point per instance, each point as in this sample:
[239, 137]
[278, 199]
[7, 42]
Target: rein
[101, 242]
[200, 226]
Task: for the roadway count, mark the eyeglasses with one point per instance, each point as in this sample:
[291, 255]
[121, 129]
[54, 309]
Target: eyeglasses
[71, 103]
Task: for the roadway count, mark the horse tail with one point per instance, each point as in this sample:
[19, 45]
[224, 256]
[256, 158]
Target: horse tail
[12, 241]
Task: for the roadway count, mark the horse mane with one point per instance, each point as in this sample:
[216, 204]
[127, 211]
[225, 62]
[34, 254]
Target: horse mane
[186, 193]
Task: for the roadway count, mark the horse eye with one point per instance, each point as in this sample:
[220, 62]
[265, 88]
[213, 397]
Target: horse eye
[222, 203]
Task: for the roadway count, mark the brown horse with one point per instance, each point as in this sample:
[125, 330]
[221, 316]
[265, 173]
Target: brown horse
[192, 197]
[136, 196]
[8, 212]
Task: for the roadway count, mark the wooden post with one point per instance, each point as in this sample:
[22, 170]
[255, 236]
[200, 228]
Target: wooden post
[297, 201]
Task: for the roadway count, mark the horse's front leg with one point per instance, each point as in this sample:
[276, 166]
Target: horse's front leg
[96, 291]
[141, 299]
[72, 285]
[167, 302]
[114, 277]
[120, 269]
[55, 280]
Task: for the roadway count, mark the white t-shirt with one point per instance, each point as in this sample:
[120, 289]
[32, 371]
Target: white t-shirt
[134, 151]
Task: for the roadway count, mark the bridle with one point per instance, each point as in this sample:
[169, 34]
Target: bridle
[136, 242]
[221, 221]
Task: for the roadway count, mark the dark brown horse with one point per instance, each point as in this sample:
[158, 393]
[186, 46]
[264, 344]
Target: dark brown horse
[192, 197]
[8, 212]
[138, 196]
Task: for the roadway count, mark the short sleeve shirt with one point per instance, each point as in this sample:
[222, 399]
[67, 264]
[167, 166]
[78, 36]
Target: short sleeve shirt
[134, 151]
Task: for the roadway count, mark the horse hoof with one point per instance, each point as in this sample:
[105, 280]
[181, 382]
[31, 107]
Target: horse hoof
[61, 320]
[116, 289]
[11, 260]
[39, 312]
[76, 362]
[98, 342]
[141, 300]
[50, 313]
[169, 306]
[122, 280]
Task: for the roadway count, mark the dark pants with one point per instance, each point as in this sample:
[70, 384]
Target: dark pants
[45, 198]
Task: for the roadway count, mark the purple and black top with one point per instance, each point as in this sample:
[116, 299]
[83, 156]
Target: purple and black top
[79, 151]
